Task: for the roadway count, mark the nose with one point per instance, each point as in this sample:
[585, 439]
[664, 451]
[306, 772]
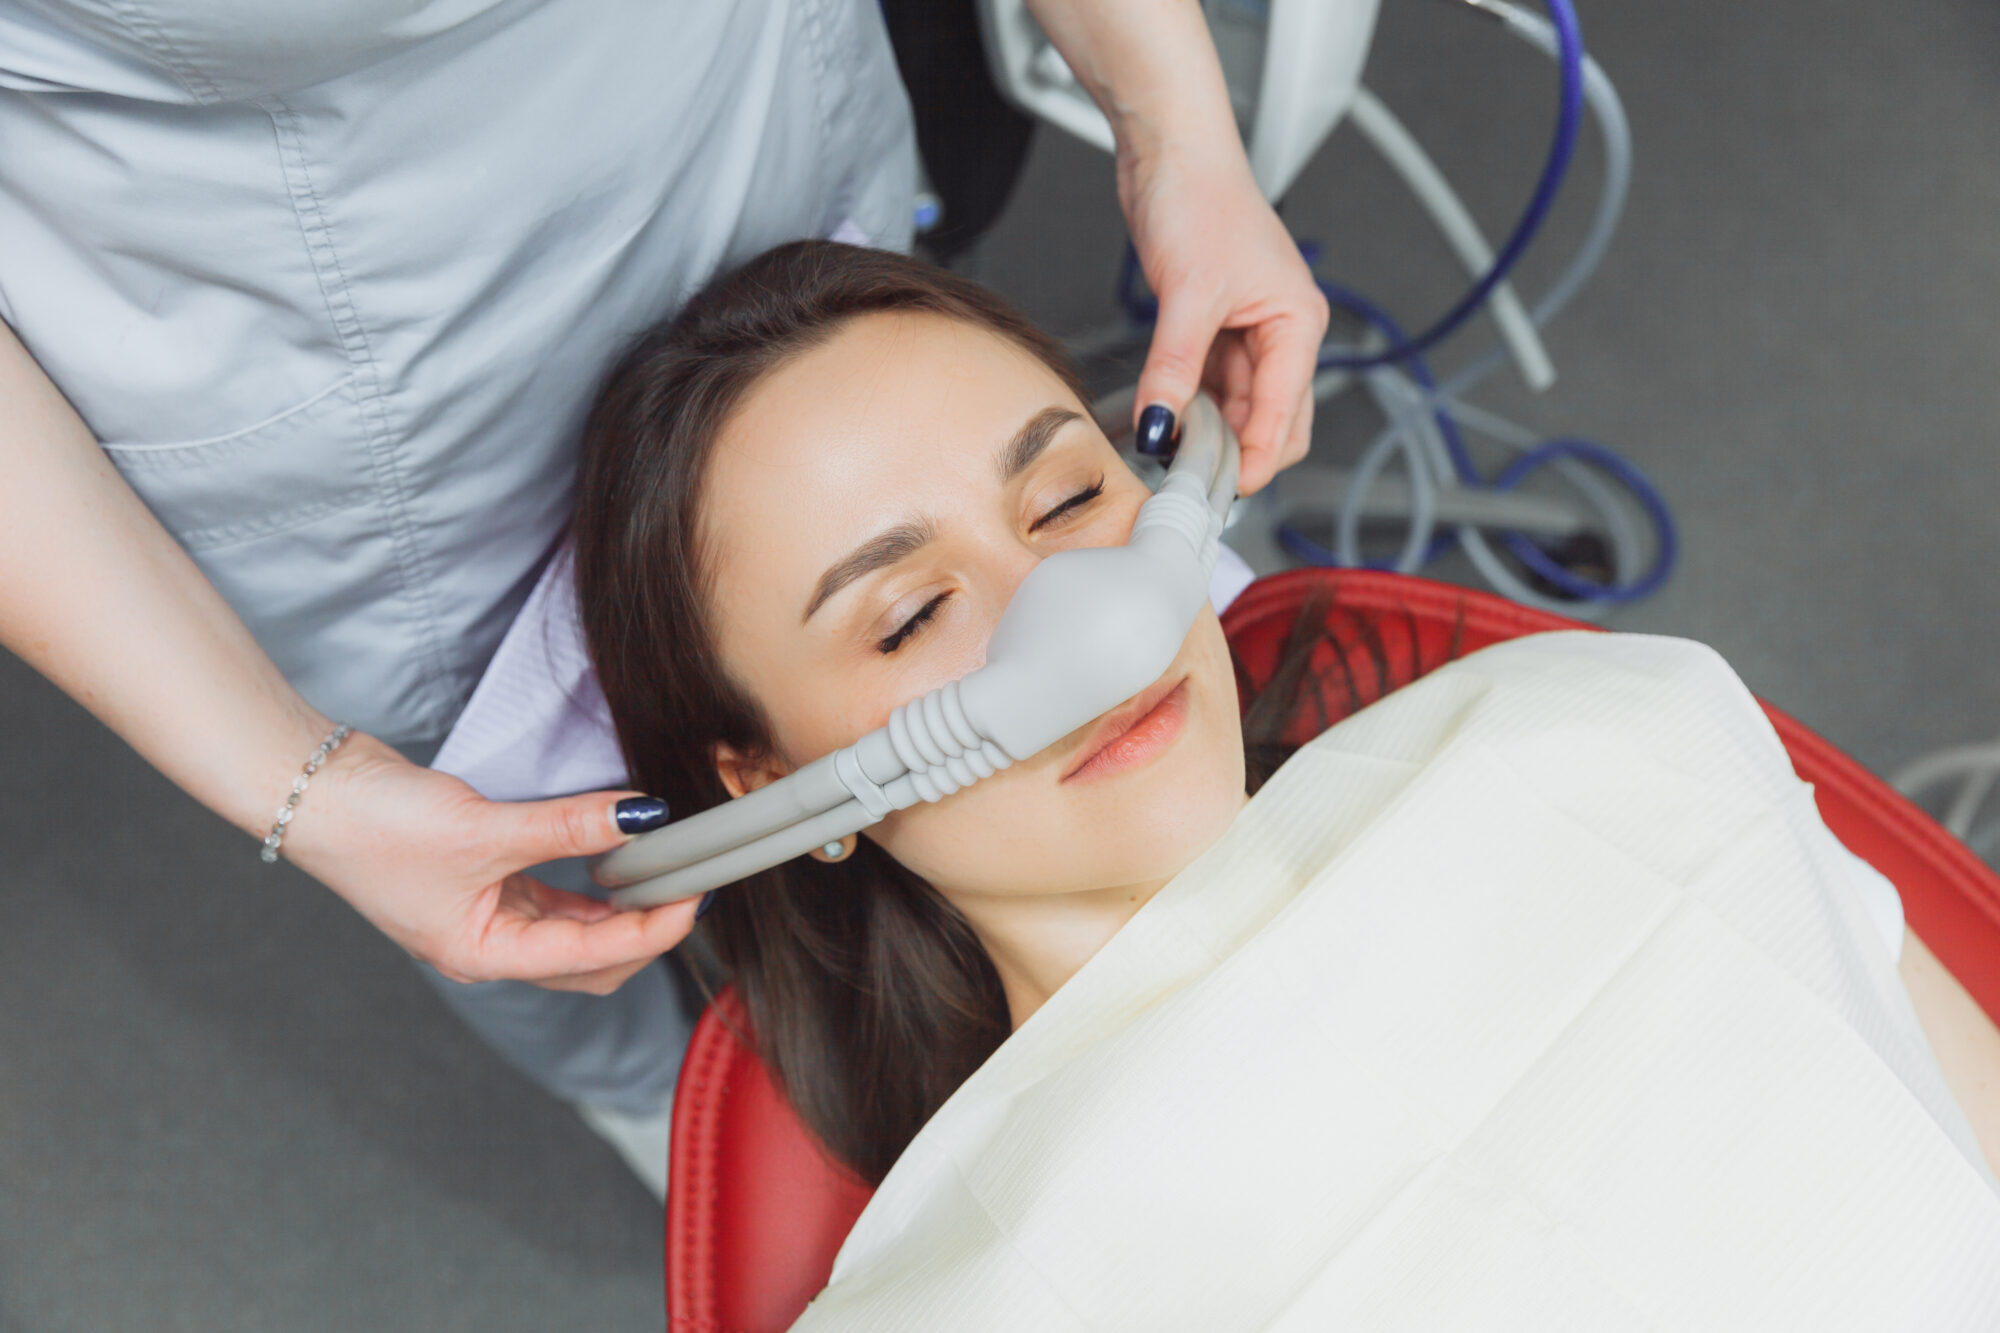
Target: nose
[1008, 562]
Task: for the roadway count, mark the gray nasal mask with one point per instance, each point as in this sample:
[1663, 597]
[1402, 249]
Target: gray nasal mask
[1087, 629]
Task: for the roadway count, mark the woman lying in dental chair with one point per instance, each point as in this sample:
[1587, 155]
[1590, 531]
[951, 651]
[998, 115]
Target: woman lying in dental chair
[1533, 996]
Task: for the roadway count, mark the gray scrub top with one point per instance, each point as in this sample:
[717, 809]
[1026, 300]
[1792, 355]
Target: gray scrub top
[333, 282]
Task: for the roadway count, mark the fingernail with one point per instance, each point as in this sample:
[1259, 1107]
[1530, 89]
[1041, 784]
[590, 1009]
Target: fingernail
[640, 814]
[1156, 430]
[707, 901]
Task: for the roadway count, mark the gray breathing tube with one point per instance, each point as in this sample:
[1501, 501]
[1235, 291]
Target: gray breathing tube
[1087, 629]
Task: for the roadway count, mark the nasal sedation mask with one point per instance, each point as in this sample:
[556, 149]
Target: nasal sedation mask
[1086, 630]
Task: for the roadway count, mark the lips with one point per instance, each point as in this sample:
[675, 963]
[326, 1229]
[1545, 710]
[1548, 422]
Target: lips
[1120, 720]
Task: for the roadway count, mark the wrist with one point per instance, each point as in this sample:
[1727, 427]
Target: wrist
[1173, 130]
[245, 767]
[1151, 68]
[274, 841]
[322, 814]
[1194, 166]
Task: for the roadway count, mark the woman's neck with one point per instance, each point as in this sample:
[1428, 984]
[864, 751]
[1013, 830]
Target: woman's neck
[1038, 941]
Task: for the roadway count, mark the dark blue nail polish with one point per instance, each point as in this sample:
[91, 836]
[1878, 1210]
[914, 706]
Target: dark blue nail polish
[640, 814]
[707, 901]
[1156, 431]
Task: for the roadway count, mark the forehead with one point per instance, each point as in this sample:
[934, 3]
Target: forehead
[895, 412]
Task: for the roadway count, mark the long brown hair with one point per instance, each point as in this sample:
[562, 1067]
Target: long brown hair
[869, 997]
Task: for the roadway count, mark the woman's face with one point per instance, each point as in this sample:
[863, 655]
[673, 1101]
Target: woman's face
[868, 512]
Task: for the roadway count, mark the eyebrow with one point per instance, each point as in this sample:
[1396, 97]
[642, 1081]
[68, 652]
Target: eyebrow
[878, 552]
[906, 539]
[1031, 439]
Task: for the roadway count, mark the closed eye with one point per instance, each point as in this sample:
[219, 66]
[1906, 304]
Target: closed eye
[1077, 501]
[928, 611]
[912, 625]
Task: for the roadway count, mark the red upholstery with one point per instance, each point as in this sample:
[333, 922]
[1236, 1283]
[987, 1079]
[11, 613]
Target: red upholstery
[755, 1212]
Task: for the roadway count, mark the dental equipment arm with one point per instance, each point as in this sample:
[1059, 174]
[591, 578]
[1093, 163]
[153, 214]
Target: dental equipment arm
[1087, 629]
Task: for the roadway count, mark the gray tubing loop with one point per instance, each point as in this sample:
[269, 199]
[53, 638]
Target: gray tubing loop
[1086, 630]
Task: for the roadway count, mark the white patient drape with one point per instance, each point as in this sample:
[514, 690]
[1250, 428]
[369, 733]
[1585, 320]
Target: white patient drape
[1532, 997]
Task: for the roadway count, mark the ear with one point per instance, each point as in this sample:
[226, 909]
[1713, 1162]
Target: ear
[742, 773]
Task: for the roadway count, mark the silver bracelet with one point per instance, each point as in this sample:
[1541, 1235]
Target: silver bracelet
[276, 837]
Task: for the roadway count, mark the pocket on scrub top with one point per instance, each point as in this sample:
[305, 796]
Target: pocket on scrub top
[291, 469]
[286, 520]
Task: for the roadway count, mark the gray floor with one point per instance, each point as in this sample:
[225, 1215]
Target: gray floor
[225, 1104]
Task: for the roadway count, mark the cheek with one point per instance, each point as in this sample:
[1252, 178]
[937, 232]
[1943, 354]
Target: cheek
[819, 706]
[989, 839]
[818, 715]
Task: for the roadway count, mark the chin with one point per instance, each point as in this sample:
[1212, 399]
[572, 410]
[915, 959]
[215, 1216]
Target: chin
[1160, 825]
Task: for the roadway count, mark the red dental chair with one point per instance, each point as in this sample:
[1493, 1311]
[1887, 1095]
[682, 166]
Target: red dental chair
[756, 1212]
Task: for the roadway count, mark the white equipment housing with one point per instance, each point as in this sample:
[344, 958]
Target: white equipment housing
[1292, 66]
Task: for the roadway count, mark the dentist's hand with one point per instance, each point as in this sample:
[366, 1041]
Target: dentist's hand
[439, 869]
[1239, 312]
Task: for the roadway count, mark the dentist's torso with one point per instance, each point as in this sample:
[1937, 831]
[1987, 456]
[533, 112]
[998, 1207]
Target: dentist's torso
[334, 283]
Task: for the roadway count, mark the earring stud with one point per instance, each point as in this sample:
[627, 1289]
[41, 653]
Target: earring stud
[835, 850]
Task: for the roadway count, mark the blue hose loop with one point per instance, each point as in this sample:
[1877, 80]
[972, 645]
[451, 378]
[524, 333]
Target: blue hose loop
[1667, 549]
[1666, 534]
[1569, 122]
[1419, 370]
[1302, 547]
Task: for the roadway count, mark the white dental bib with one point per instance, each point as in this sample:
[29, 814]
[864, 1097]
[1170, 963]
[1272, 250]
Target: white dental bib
[1531, 997]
